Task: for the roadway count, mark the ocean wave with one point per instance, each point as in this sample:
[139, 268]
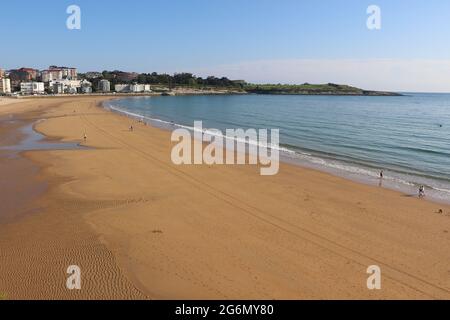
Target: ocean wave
[391, 177]
[206, 131]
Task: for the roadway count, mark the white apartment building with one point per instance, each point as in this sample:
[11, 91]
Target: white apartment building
[122, 88]
[86, 86]
[57, 88]
[104, 86]
[5, 86]
[139, 88]
[132, 88]
[65, 86]
[32, 88]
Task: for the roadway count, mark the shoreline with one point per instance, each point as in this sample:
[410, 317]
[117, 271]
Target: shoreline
[312, 241]
[288, 158]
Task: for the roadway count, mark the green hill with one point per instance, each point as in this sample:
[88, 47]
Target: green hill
[313, 89]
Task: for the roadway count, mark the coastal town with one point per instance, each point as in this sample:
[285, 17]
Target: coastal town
[56, 81]
[63, 80]
[28, 81]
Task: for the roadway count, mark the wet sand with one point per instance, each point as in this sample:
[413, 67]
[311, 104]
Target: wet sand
[19, 183]
[41, 230]
[141, 227]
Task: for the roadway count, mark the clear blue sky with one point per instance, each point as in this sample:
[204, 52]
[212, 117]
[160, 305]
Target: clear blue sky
[184, 35]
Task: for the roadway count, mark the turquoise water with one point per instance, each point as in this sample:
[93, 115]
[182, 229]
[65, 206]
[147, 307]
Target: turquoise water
[408, 137]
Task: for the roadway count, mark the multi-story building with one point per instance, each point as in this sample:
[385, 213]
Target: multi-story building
[2, 73]
[58, 73]
[57, 88]
[122, 88]
[69, 73]
[50, 75]
[5, 86]
[139, 88]
[104, 86]
[23, 74]
[132, 88]
[65, 86]
[86, 86]
[32, 88]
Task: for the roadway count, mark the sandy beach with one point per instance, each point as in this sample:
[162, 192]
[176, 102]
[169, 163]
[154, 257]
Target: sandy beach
[141, 227]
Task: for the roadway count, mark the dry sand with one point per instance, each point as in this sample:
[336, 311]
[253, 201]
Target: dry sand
[141, 227]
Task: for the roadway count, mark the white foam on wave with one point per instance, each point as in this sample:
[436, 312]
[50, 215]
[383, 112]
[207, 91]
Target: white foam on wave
[336, 166]
[204, 131]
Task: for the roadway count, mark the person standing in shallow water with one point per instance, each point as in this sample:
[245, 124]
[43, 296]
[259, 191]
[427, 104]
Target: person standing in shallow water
[381, 178]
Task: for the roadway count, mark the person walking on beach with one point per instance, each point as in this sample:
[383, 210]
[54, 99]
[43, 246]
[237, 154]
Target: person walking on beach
[381, 174]
[131, 128]
[85, 137]
[421, 191]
